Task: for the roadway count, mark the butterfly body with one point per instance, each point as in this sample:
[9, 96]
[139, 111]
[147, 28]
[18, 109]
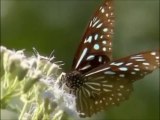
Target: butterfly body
[74, 80]
[98, 81]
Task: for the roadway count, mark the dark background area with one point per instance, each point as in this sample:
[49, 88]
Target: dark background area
[59, 25]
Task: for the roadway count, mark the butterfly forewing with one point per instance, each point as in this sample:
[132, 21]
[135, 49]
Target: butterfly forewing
[111, 83]
[96, 45]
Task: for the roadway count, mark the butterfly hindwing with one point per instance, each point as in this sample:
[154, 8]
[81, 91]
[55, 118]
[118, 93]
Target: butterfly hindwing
[96, 45]
[109, 84]
[101, 93]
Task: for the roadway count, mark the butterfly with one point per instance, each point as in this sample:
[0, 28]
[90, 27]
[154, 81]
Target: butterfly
[96, 80]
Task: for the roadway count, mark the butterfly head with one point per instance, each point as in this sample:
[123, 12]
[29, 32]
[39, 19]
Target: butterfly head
[74, 80]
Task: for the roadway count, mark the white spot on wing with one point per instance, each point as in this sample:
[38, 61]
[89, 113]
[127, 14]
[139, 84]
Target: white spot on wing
[85, 67]
[100, 59]
[117, 64]
[136, 57]
[133, 73]
[106, 90]
[104, 42]
[89, 40]
[136, 65]
[145, 63]
[107, 14]
[104, 49]
[81, 57]
[98, 26]
[91, 57]
[121, 75]
[153, 53]
[105, 29]
[93, 83]
[102, 10]
[96, 47]
[101, 36]
[119, 94]
[123, 68]
[90, 24]
[136, 69]
[109, 72]
[96, 37]
[107, 85]
[140, 60]
[95, 23]
[94, 19]
[87, 91]
[110, 98]
[92, 87]
[121, 86]
[128, 64]
[97, 71]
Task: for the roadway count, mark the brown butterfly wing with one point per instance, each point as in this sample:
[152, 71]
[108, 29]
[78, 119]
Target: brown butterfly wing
[96, 45]
[109, 84]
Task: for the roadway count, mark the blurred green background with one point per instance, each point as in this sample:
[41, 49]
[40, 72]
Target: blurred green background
[59, 25]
